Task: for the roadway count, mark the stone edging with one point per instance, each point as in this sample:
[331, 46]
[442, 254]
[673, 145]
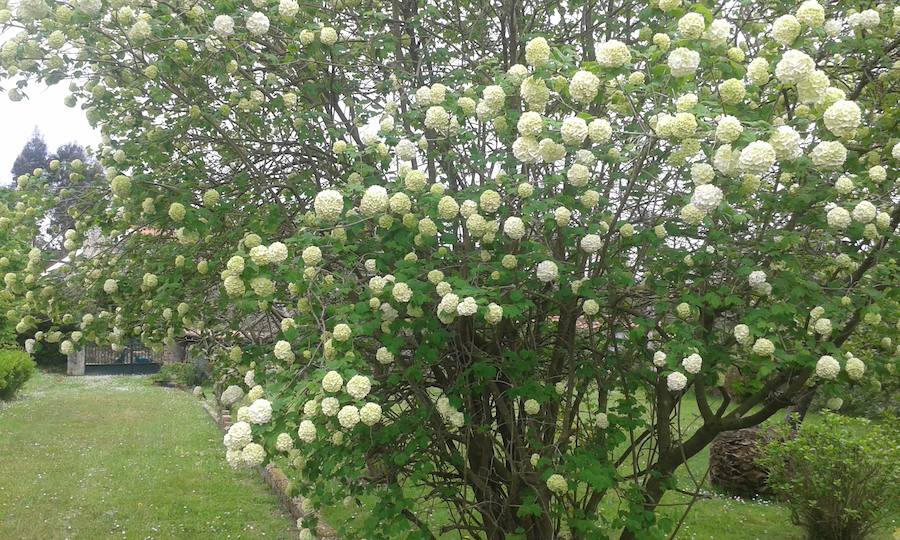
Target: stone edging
[276, 479]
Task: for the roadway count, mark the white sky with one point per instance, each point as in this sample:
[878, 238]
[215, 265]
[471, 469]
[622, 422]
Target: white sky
[44, 109]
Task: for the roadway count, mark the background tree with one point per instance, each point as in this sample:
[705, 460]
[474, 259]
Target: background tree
[32, 156]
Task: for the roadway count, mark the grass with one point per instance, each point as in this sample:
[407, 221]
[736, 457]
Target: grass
[115, 457]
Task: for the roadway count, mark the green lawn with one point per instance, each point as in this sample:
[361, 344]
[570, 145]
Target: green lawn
[115, 457]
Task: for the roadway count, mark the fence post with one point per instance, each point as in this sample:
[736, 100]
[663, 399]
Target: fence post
[75, 364]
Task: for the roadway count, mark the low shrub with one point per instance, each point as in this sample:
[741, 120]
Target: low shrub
[839, 477]
[185, 374]
[15, 368]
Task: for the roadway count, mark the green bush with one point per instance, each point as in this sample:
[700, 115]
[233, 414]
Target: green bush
[839, 477]
[185, 374]
[15, 368]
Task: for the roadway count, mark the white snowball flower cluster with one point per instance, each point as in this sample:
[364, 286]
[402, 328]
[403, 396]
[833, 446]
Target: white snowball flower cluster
[659, 359]
[763, 347]
[330, 406]
[348, 416]
[238, 436]
[691, 25]
[828, 155]
[785, 29]
[786, 142]
[591, 307]
[260, 412]
[514, 228]
[706, 197]
[591, 243]
[223, 25]
[728, 129]
[328, 205]
[794, 66]
[384, 356]
[583, 87]
[557, 484]
[864, 212]
[283, 351]
[757, 158]
[719, 32]
[370, 414]
[573, 130]
[842, 118]
[284, 442]
[359, 386]
[702, 173]
[328, 36]
[401, 292]
[547, 271]
[288, 8]
[374, 201]
[537, 52]
[683, 62]
[467, 307]
[332, 382]
[866, 19]
[342, 332]
[532, 407]
[827, 368]
[692, 363]
[756, 278]
[306, 432]
[811, 13]
[854, 367]
[838, 218]
[253, 455]
[599, 130]
[612, 54]
[257, 24]
[676, 381]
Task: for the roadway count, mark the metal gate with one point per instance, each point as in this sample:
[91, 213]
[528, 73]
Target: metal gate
[134, 359]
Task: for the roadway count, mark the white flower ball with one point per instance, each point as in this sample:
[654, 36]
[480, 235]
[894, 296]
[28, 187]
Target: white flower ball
[223, 25]
[728, 129]
[583, 87]
[842, 118]
[253, 455]
[532, 407]
[707, 197]
[530, 124]
[547, 271]
[306, 432]
[277, 252]
[591, 307]
[683, 62]
[602, 421]
[794, 66]
[330, 406]
[763, 347]
[467, 307]
[328, 36]
[514, 228]
[258, 24]
[827, 368]
[348, 416]
[557, 484]
[342, 332]
[855, 368]
[811, 13]
[526, 149]
[786, 142]
[828, 155]
[311, 255]
[374, 201]
[822, 326]
[259, 412]
[691, 214]
[838, 218]
[864, 212]
[612, 54]
[573, 130]
[238, 436]
[537, 52]
[328, 205]
[591, 243]
[659, 359]
[741, 333]
[370, 414]
[756, 278]
[692, 363]
[691, 25]
[284, 443]
[676, 381]
[757, 158]
[702, 173]
[332, 382]
[785, 29]
[578, 175]
[359, 386]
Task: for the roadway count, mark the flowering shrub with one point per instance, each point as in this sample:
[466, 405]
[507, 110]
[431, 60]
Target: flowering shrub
[839, 477]
[458, 264]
